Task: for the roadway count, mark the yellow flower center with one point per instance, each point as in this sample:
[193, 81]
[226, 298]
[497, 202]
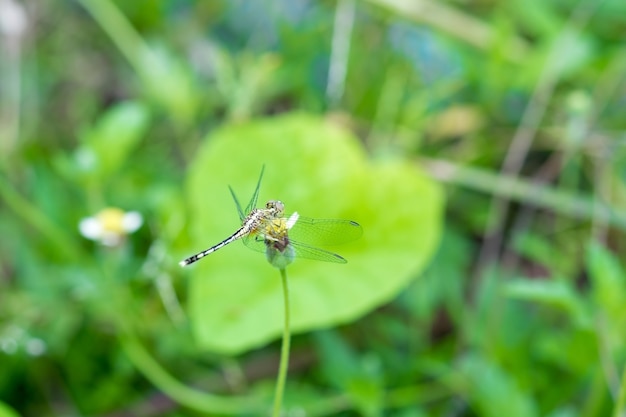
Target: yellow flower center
[112, 220]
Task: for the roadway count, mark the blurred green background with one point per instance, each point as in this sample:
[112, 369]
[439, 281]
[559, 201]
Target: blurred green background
[478, 143]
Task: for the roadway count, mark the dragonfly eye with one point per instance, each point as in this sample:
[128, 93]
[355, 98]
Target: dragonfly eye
[276, 205]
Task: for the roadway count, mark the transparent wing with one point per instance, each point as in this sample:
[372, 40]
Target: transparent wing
[252, 204]
[255, 196]
[256, 242]
[324, 232]
[316, 254]
[242, 215]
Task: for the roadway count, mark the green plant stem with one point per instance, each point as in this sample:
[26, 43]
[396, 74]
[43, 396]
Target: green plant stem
[621, 398]
[148, 366]
[572, 204]
[188, 397]
[284, 352]
[119, 29]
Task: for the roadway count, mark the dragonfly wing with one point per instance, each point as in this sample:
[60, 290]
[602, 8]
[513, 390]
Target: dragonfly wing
[242, 215]
[255, 242]
[325, 232]
[253, 200]
[316, 254]
[255, 196]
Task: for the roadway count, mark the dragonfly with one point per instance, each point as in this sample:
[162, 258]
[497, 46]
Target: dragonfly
[284, 238]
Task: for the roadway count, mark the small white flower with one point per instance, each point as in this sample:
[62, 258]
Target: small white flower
[110, 225]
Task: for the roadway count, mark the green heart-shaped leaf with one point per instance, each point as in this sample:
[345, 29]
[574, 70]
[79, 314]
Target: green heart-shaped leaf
[319, 170]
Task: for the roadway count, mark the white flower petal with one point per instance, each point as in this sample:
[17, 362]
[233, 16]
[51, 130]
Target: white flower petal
[132, 221]
[90, 228]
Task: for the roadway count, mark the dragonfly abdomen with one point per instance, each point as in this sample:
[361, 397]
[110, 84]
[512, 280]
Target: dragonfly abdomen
[249, 226]
[212, 249]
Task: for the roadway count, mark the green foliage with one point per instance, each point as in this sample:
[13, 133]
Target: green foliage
[609, 283]
[509, 302]
[360, 377]
[6, 411]
[491, 390]
[168, 83]
[107, 145]
[555, 293]
[442, 284]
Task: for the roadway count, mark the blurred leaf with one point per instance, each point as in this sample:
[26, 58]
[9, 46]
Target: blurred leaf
[609, 282]
[246, 82]
[570, 51]
[554, 293]
[538, 249]
[6, 411]
[344, 369]
[108, 144]
[338, 362]
[535, 17]
[565, 411]
[497, 324]
[455, 121]
[558, 58]
[579, 357]
[552, 250]
[319, 170]
[492, 391]
[442, 283]
[168, 81]
[477, 323]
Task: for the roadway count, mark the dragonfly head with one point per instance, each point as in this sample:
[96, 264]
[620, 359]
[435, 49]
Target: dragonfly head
[277, 207]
